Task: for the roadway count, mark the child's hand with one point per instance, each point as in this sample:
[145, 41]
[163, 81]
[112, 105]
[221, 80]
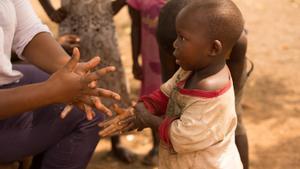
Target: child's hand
[58, 15]
[69, 42]
[75, 87]
[123, 122]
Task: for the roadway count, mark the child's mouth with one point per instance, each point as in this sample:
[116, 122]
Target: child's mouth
[175, 53]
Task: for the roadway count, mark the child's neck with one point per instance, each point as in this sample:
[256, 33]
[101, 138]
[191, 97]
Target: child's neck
[212, 77]
[210, 70]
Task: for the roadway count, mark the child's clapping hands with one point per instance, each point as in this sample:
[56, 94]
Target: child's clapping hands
[136, 117]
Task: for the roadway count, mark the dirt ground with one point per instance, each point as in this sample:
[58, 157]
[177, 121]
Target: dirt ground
[272, 95]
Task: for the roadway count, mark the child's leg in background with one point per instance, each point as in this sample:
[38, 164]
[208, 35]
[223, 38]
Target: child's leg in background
[238, 69]
[151, 158]
[61, 144]
[241, 138]
[120, 152]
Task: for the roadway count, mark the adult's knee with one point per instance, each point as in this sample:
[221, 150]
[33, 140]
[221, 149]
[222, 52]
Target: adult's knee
[89, 125]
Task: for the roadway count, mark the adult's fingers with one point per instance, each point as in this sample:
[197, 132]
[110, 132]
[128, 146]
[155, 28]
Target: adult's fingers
[87, 66]
[108, 94]
[74, 60]
[85, 99]
[93, 85]
[117, 109]
[98, 74]
[66, 111]
[94, 102]
[120, 111]
[80, 105]
[90, 114]
[99, 92]
[98, 104]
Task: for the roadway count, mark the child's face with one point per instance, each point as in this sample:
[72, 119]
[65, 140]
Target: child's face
[192, 44]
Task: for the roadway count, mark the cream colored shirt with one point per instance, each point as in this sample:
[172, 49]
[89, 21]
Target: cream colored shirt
[18, 25]
[203, 137]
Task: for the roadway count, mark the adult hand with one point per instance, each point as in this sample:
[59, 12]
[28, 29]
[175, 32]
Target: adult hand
[90, 102]
[58, 15]
[76, 84]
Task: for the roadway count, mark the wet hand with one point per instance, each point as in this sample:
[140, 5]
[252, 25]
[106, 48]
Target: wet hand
[124, 121]
[79, 87]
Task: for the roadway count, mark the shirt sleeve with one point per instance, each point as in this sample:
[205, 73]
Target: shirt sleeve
[156, 102]
[28, 25]
[200, 126]
[136, 4]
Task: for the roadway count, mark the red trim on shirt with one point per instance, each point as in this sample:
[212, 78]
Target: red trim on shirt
[156, 102]
[164, 129]
[203, 93]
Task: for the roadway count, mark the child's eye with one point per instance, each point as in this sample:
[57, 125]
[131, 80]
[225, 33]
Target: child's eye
[181, 38]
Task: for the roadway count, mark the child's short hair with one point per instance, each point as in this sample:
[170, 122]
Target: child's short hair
[222, 19]
[166, 32]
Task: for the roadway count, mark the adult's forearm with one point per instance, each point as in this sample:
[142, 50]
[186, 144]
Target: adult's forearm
[21, 99]
[44, 52]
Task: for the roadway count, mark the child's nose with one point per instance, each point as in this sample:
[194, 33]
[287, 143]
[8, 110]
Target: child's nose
[175, 44]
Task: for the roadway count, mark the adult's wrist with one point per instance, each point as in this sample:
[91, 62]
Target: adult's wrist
[51, 96]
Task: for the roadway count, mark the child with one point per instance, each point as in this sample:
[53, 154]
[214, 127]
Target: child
[198, 101]
[93, 22]
[144, 15]
[236, 63]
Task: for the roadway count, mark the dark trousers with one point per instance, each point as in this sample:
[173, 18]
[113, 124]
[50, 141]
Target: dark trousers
[55, 143]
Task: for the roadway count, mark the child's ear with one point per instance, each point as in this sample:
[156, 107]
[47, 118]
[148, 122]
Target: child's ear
[216, 48]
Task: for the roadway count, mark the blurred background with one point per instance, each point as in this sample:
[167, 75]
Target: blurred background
[272, 95]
